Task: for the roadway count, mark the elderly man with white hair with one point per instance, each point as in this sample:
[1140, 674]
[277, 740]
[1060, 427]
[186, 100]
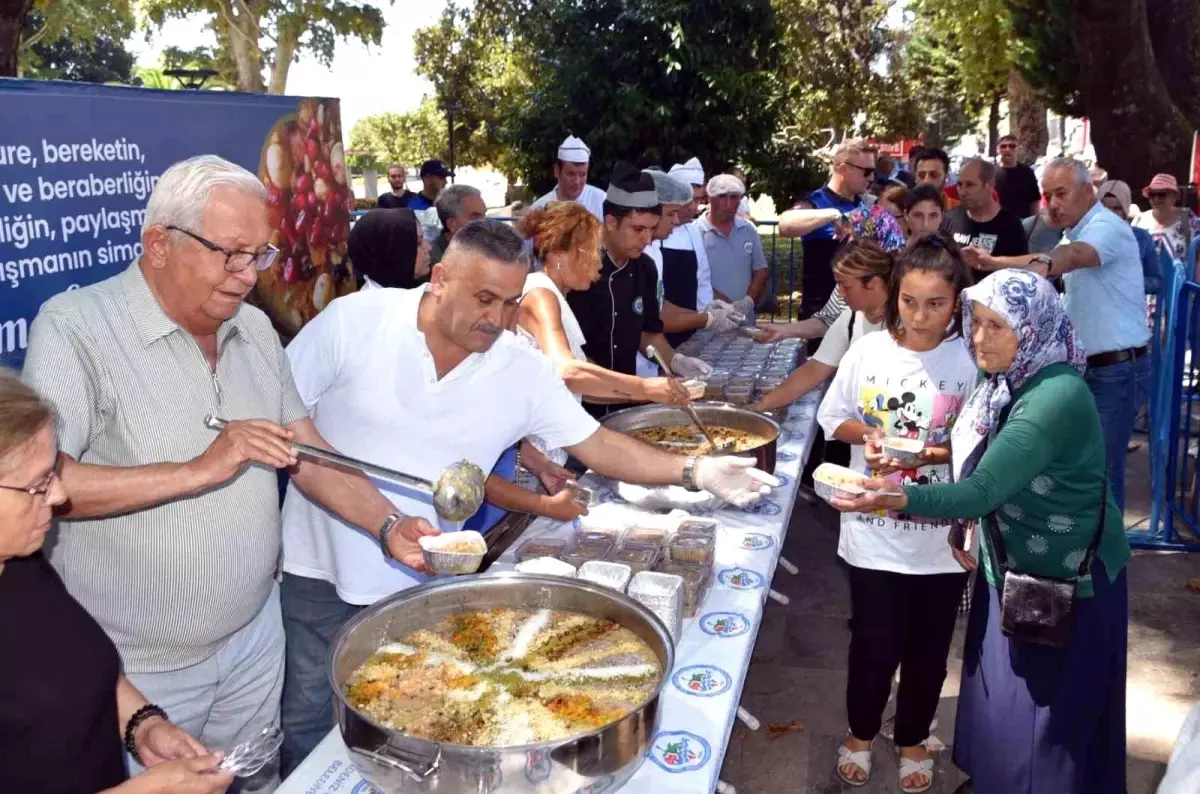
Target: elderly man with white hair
[571, 173]
[172, 536]
[1105, 298]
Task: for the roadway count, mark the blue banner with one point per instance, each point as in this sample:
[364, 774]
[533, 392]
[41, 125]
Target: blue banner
[78, 163]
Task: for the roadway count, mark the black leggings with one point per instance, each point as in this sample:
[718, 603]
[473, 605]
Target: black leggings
[899, 620]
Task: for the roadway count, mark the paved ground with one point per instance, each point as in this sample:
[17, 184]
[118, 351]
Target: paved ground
[798, 671]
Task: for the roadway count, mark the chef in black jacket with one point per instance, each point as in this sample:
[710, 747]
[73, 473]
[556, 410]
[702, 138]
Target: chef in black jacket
[619, 313]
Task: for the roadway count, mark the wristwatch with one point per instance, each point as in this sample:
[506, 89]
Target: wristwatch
[688, 479]
[386, 530]
[1042, 259]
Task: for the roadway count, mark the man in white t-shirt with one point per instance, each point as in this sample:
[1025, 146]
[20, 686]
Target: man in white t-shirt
[571, 171]
[416, 380]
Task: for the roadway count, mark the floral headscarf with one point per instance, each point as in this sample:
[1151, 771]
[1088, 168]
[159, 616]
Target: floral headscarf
[877, 225]
[1031, 307]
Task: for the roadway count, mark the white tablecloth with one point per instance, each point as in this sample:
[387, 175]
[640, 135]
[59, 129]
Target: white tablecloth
[699, 703]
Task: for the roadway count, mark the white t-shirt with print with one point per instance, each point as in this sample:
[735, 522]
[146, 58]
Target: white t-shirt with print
[909, 395]
[840, 336]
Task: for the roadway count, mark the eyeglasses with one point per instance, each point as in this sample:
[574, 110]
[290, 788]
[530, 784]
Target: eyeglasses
[236, 261]
[39, 488]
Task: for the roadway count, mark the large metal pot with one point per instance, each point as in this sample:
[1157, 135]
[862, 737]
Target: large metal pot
[396, 763]
[720, 414]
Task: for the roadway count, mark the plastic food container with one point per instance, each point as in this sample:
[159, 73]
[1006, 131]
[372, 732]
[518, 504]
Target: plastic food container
[696, 580]
[714, 388]
[738, 395]
[650, 536]
[692, 548]
[453, 552]
[579, 553]
[546, 565]
[830, 480]
[540, 547]
[610, 574]
[587, 536]
[704, 527]
[637, 556]
[905, 451]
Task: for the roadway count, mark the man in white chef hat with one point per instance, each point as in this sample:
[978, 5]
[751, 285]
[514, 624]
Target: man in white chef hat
[692, 173]
[571, 171]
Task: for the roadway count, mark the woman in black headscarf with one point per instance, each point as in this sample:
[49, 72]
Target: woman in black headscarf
[387, 249]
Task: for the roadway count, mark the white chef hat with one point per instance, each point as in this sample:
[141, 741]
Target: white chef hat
[573, 150]
[691, 171]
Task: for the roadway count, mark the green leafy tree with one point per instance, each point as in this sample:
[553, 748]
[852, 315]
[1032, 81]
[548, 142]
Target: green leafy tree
[289, 28]
[408, 138]
[65, 32]
[217, 59]
[73, 55]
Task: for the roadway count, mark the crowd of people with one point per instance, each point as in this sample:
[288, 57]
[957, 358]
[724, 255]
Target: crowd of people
[1019, 365]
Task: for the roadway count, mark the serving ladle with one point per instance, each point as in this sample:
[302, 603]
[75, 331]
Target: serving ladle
[457, 493]
[691, 412]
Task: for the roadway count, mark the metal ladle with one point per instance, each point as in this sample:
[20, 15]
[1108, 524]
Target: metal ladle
[457, 493]
[654, 354]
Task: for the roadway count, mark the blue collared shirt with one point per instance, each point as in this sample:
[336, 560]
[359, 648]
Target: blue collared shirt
[1107, 304]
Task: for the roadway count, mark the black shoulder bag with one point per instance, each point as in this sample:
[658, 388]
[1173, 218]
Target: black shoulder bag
[1040, 609]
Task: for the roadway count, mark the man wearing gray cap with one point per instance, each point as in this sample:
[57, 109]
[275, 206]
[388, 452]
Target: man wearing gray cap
[619, 314]
[735, 253]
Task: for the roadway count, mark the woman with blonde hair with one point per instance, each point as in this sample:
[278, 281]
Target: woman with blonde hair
[67, 714]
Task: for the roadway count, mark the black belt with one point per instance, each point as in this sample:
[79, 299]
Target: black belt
[1116, 357]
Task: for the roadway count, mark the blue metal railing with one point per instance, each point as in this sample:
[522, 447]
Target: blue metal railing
[784, 261]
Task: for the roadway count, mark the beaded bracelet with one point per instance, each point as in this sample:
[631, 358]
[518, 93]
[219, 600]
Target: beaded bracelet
[141, 715]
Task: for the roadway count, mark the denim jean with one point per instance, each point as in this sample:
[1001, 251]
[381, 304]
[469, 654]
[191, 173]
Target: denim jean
[312, 616]
[1118, 389]
[231, 696]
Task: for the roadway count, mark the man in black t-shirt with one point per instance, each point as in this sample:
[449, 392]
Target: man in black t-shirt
[979, 220]
[619, 313]
[1016, 183]
[399, 196]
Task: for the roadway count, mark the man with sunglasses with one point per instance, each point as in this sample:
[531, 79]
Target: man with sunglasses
[1016, 184]
[850, 176]
[172, 531]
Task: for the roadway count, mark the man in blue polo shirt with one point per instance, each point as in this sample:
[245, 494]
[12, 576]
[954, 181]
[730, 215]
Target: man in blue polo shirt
[1105, 298]
[852, 172]
[733, 247]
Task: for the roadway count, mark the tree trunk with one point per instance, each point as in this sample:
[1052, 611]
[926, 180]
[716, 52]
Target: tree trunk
[1175, 39]
[287, 37]
[1026, 119]
[993, 135]
[1136, 128]
[239, 26]
[12, 23]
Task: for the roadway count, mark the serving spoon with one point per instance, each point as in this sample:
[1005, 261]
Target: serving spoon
[457, 493]
[691, 412]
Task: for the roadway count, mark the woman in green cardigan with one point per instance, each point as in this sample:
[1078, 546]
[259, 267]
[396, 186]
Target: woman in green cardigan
[1028, 453]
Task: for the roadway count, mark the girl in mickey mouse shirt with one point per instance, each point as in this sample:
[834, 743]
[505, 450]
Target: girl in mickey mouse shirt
[910, 381]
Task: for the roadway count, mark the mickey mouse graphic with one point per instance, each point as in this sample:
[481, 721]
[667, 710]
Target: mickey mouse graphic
[910, 420]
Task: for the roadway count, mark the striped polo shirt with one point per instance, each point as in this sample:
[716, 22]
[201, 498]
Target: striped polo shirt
[130, 387]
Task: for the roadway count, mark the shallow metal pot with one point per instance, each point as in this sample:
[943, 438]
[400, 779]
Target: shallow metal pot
[396, 763]
[719, 414]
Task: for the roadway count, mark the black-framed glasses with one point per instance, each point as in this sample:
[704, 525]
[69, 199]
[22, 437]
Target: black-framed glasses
[236, 261]
[867, 172]
[39, 488]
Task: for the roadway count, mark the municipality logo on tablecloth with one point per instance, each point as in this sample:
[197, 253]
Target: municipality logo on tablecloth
[679, 751]
[702, 680]
[756, 541]
[740, 579]
[724, 624]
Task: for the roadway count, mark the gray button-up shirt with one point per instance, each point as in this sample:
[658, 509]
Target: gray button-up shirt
[130, 387]
[732, 259]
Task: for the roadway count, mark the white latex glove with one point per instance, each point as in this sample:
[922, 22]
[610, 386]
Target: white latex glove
[721, 320]
[719, 304]
[744, 306]
[733, 479]
[688, 367]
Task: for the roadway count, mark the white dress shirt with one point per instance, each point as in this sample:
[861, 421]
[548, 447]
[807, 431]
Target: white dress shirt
[592, 197]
